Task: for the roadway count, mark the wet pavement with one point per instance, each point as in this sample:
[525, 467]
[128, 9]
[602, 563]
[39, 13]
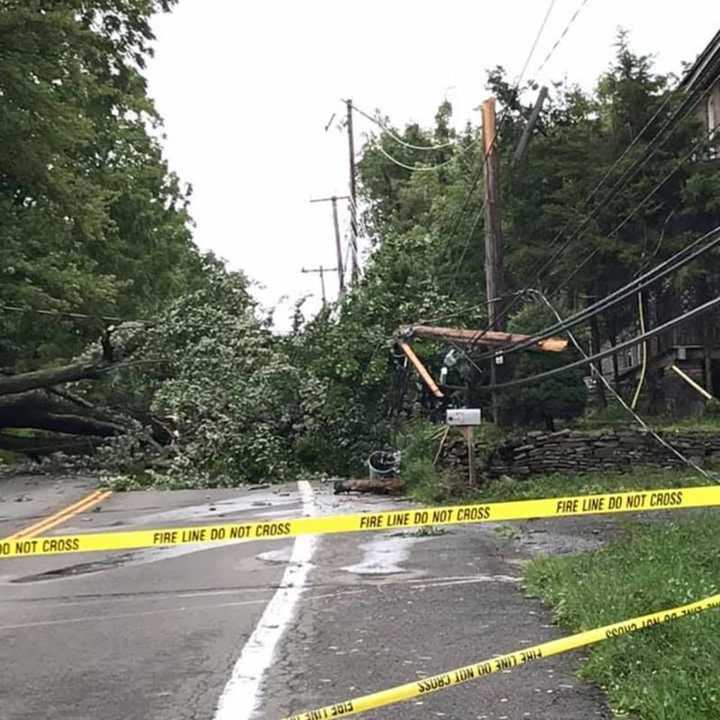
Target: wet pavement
[263, 629]
[151, 634]
[417, 605]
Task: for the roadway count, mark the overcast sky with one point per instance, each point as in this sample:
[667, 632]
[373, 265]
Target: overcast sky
[246, 89]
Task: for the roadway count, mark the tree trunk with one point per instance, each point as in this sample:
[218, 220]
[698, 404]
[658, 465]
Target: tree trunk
[35, 410]
[380, 486]
[32, 401]
[14, 384]
[36, 447]
[108, 356]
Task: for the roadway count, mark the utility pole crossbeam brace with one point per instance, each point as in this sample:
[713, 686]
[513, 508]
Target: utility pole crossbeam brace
[421, 369]
[321, 271]
[460, 336]
[490, 338]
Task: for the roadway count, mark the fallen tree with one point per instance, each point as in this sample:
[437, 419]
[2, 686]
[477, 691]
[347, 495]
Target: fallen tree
[38, 447]
[14, 384]
[67, 421]
[41, 410]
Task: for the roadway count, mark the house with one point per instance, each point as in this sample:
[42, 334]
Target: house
[703, 78]
[692, 347]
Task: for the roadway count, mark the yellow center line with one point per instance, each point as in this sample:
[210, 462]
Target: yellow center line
[62, 515]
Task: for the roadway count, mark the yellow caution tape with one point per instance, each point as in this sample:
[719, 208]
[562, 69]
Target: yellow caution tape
[420, 688]
[647, 500]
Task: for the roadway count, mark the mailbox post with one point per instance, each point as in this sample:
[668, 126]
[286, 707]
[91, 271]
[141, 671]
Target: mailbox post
[466, 419]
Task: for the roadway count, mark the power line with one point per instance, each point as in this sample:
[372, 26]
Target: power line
[398, 139]
[562, 36]
[652, 276]
[621, 157]
[414, 168]
[500, 125]
[468, 241]
[685, 158]
[450, 316]
[687, 107]
[672, 264]
[62, 313]
[701, 309]
[538, 35]
[642, 203]
[599, 375]
[679, 114]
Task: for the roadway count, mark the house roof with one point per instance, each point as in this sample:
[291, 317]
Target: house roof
[706, 68]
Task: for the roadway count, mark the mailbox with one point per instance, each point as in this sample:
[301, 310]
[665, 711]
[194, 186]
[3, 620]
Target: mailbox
[464, 416]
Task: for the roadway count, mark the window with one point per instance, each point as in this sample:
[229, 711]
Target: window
[712, 119]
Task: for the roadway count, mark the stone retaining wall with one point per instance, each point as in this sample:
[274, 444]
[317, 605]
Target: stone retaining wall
[572, 451]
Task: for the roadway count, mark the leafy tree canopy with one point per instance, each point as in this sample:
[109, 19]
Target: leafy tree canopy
[92, 221]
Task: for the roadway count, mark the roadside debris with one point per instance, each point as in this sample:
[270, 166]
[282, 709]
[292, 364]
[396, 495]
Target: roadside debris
[380, 486]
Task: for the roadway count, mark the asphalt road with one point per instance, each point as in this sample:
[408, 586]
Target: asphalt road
[260, 630]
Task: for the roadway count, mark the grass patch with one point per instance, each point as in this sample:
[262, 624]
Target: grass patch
[667, 672]
[557, 485]
[418, 442]
[614, 417]
[706, 423]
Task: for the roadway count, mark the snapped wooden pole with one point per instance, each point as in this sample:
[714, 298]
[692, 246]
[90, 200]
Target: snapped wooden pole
[421, 369]
[692, 383]
[485, 337]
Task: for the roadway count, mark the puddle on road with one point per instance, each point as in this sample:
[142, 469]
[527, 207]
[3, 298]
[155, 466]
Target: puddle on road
[384, 556]
[261, 504]
[139, 557]
[381, 557]
[276, 556]
[209, 512]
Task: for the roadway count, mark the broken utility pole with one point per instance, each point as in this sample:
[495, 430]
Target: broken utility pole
[489, 338]
[461, 336]
[521, 149]
[494, 277]
[338, 245]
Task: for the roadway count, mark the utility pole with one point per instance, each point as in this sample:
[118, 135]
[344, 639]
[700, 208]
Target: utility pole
[494, 281]
[353, 192]
[521, 149]
[338, 243]
[321, 270]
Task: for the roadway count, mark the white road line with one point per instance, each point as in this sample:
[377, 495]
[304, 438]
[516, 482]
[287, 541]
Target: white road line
[241, 695]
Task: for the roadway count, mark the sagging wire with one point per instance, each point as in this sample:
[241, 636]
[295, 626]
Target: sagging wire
[397, 138]
[644, 351]
[679, 114]
[608, 385]
[414, 168]
[562, 36]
